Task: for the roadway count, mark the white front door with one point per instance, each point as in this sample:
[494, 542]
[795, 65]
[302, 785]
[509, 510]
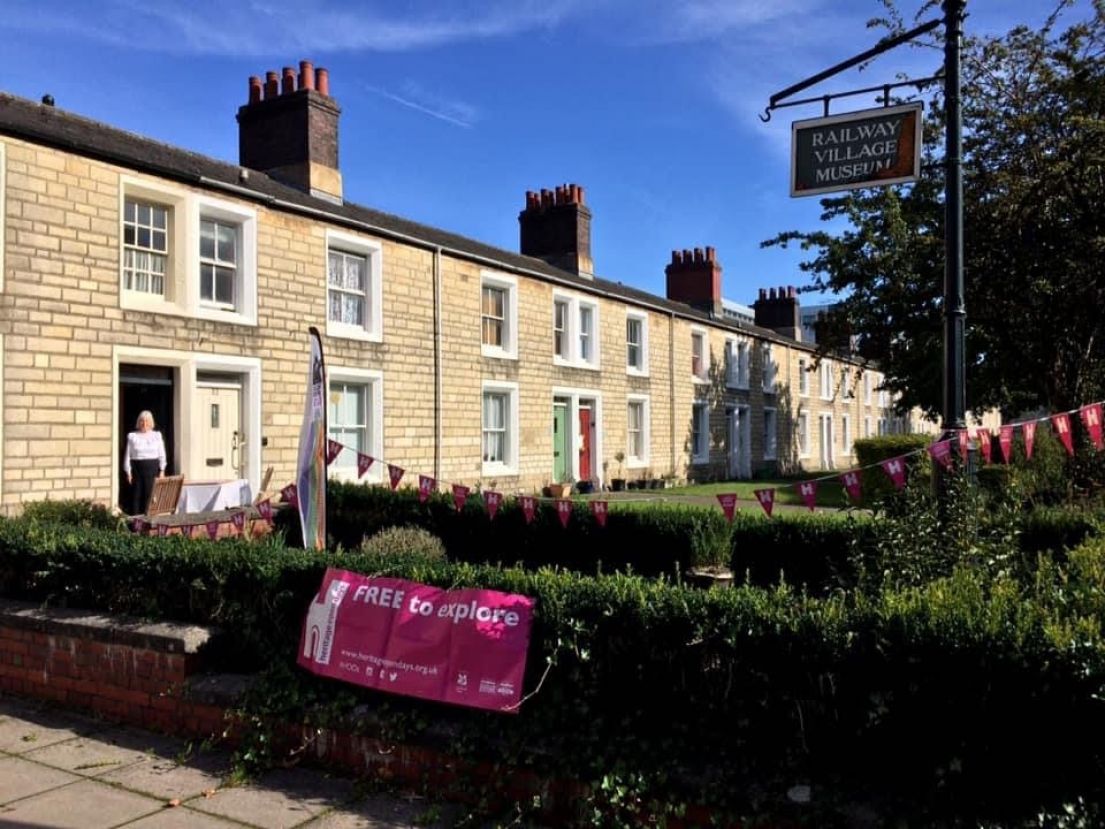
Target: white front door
[221, 439]
[740, 443]
[826, 435]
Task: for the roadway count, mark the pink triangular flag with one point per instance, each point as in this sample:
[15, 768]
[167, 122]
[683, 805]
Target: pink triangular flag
[333, 449]
[139, 526]
[984, 445]
[728, 503]
[492, 499]
[808, 491]
[895, 468]
[460, 495]
[598, 509]
[290, 496]
[426, 485]
[264, 509]
[1091, 417]
[964, 444]
[188, 529]
[1061, 422]
[851, 481]
[1005, 441]
[564, 510]
[529, 507]
[766, 497]
[941, 452]
[364, 463]
[213, 529]
[395, 475]
[162, 530]
[238, 519]
[1029, 431]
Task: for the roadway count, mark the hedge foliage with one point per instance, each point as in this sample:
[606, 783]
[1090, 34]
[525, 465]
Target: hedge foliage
[969, 697]
[869, 451]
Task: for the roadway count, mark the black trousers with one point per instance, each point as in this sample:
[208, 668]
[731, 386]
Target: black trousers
[144, 473]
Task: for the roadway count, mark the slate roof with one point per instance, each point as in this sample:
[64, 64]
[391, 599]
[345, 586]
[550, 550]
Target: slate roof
[50, 126]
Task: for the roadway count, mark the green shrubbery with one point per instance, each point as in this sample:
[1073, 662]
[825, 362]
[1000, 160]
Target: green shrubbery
[79, 513]
[877, 485]
[971, 696]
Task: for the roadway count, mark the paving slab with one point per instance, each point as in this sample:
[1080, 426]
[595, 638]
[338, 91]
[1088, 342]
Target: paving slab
[279, 799]
[25, 728]
[87, 804]
[166, 779]
[20, 778]
[86, 756]
[182, 818]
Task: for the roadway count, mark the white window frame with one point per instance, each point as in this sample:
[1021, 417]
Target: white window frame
[642, 400]
[826, 379]
[867, 388]
[884, 399]
[700, 420]
[701, 335]
[744, 362]
[374, 405]
[373, 252]
[513, 436]
[847, 442]
[641, 369]
[572, 330]
[867, 426]
[802, 432]
[182, 274]
[770, 437]
[187, 415]
[803, 377]
[845, 381]
[565, 354]
[769, 368]
[509, 348]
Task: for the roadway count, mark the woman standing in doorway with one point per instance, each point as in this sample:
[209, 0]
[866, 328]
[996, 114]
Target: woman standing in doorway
[143, 461]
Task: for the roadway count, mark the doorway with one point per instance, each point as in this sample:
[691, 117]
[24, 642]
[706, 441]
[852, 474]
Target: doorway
[145, 388]
[561, 468]
[739, 440]
[825, 433]
[586, 429]
[221, 437]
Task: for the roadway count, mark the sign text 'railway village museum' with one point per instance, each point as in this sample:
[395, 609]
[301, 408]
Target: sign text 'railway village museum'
[869, 148]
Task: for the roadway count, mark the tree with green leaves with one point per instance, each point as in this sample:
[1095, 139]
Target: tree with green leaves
[1034, 231]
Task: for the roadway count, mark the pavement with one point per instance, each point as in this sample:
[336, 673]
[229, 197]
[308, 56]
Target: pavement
[60, 769]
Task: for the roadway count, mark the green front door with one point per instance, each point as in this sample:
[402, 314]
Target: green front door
[561, 470]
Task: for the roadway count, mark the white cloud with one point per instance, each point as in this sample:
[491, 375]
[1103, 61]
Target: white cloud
[413, 96]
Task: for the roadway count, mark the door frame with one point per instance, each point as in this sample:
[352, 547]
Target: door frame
[739, 415]
[574, 397]
[825, 439]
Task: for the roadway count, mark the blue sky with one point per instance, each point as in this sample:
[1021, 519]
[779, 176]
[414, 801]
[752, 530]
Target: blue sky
[452, 110]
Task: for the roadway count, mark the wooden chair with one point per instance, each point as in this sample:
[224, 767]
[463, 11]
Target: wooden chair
[165, 495]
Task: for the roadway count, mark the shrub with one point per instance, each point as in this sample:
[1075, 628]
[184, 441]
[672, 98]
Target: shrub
[79, 513]
[877, 486]
[400, 541]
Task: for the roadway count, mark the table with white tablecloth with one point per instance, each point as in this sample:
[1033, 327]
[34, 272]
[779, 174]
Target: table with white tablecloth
[210, 496]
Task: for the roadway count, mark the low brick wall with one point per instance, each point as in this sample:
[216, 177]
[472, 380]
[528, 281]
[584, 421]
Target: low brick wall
[121, 668]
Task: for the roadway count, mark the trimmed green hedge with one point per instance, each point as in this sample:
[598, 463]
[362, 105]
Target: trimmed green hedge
[964, 699]
[877, 485]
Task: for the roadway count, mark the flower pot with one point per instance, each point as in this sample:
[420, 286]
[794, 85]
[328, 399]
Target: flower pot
[585, 487]
[560, 490]
[707, 577]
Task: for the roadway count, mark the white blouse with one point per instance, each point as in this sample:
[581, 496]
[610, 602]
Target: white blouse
[144, 446]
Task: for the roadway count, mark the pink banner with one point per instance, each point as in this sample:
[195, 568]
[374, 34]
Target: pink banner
[766, 497]
[1061, 422]
[466, 647]
[984, 445]
[289, 495]
[964, 444]
[213, 529]
[162, 530]
[895, 468]
[941, 452]
[493, 500]
[238, 519]
[598, 509]
[1005, 441]
[333, 449]
[851, 481]
[364, 463]
[426, 485]
[1091, 418]
[1029, 432]
[395, 475]
[808, 491]
[529, 506]
[728, 503]
[264, 509]
[139, 525]
[460, 496]
[563, 510]
[188, 529]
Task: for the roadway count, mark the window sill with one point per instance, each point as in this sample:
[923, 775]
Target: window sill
[349, 475]
[149, 303]
[217, 314]
[496, 353]
[701, 381]
[560, 362]
[498, 470]
[636, 463]
[636, 372]
[342, 331]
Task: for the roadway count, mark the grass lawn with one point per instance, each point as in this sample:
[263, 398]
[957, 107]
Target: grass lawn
[830, 493]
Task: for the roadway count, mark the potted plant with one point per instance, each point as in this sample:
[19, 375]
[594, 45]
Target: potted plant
[618, 483]
[562, 489]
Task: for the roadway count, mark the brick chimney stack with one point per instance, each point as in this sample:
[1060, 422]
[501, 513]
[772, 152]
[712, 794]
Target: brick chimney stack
[694, 278]
[289, 130]
[556, 227]
[779, 311]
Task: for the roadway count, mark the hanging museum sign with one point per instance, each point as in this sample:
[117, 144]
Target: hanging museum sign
[870, 148]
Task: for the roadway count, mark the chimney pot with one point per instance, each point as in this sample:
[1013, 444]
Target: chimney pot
[272, 85]
[782, 292]
[698, 257]
[254, 89]
[306, 75]
[287, 85]
[711, 255]
[771, 293]
[322, 82]
[560, 236]
[763, 293]
[675, 257]
[791, 292]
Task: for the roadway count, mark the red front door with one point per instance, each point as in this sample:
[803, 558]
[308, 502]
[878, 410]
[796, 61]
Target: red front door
[585, 443]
